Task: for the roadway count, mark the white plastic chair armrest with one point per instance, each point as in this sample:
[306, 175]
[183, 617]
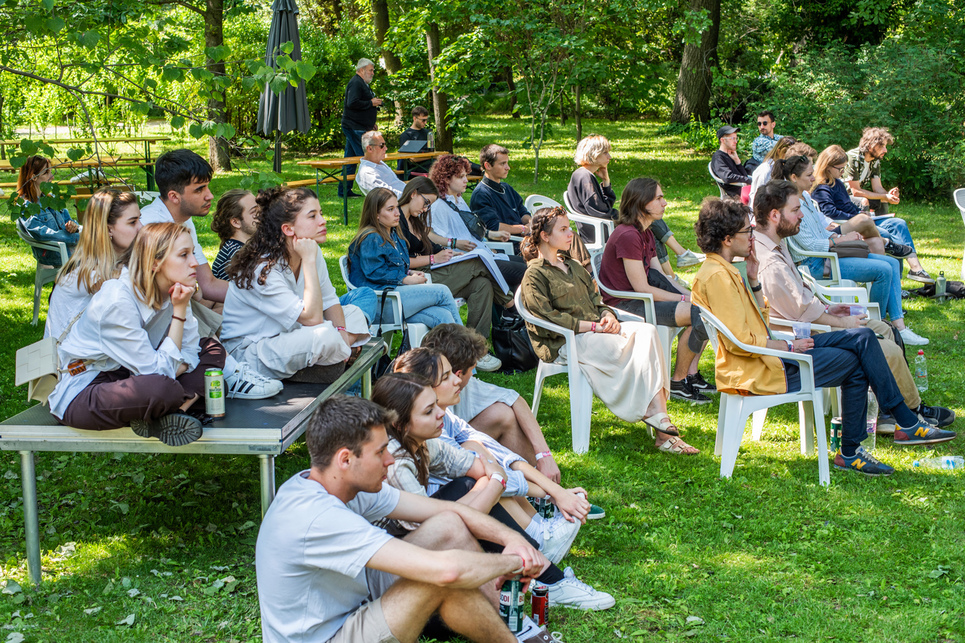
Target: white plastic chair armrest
[501, 246]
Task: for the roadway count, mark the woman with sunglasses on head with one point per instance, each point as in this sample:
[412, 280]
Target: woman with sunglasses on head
[378, 258]
[112, 220]
[46, 223]
[622, 361]
[134, 357]
[468, 278]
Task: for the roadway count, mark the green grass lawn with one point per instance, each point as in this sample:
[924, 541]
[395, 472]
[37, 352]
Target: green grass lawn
[161, 548]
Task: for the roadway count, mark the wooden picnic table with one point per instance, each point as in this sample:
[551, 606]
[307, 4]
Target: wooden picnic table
[262, 428]
[146, 162]
[336, 171]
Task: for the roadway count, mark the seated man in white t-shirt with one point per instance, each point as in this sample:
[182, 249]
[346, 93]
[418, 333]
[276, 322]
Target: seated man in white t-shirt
[372, 171]
[326, 573]
[499, 412]
[182, 178]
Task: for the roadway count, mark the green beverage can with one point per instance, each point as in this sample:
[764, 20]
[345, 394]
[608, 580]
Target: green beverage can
[214, 393]
[511, 599]
[835, 444]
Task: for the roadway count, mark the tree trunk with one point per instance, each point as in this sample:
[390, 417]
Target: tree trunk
[440, 102]
[579, 113]
[218, 154]
[512, 92]
[693, 82]
[380, 18]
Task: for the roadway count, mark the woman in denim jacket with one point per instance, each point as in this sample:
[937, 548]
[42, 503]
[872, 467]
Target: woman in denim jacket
[48, 224]
[378, 258]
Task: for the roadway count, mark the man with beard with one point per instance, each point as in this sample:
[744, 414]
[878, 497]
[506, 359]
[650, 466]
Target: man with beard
[862, 174]
[791, 299]
[235, 220]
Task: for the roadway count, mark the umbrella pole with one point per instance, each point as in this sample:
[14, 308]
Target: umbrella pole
[278, 152]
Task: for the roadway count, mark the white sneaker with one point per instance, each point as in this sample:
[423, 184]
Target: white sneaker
[489, 363]
[573, 593]
[558, 537]
[246, 384]
[911, 338]
[690, 258]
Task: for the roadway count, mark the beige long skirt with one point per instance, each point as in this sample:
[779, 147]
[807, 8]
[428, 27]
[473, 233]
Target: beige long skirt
[626, 371]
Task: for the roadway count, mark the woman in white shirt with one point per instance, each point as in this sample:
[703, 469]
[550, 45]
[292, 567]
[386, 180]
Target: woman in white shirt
[111, 221]
[281, 313]
[135, 357]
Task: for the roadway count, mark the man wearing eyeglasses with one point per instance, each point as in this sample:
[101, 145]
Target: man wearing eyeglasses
[373, 172]
[418, 131]
[763, 143]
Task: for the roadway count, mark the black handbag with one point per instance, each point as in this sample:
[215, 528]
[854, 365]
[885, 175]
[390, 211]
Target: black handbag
[384, 365]
[472, 220]
[511, 344]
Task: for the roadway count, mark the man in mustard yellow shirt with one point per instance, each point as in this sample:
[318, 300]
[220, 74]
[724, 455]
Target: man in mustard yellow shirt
[850, 359]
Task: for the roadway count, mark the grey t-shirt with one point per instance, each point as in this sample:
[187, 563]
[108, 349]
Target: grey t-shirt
[311, 555]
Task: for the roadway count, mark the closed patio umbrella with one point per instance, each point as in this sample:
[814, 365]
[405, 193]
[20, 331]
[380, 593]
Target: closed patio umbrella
[288, 111]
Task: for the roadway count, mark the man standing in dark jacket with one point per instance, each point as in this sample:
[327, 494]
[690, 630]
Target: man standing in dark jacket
[358, 117]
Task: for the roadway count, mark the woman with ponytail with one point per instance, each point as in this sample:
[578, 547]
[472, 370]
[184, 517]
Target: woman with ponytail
[622, 362]
[281, 313]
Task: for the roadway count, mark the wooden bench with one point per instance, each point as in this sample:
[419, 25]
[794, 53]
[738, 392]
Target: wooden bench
[263, 428]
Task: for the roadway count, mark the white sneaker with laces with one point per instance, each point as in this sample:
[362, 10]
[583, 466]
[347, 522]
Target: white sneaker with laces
[912, 338]
[558, 537]
[246, 384]
[690, 258]
[489, 363]
[573, 593]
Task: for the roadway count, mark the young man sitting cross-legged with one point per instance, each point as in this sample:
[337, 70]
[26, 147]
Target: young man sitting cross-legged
[326, 573]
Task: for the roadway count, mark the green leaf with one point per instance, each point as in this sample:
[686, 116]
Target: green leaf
[127, 620]
[171, 73]
[11, 587]
[75, 154]
[195, 130]
[287, 47]
[28, 147]
[56, 23]
[305, 70]
[48, 5]
[177, 122]
[17, 161]
[89, 39]
[279, 83]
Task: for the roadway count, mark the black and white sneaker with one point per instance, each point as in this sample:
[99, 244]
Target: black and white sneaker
[701, 385]
[682, 390]
[897, 250]
[936, 415]
[246, 384]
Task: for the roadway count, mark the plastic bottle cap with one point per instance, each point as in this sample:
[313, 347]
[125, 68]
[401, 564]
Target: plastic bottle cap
[921, 351]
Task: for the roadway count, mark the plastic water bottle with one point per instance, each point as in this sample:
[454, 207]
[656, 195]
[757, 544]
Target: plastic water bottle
[944, 462]
[871, 421]
[921, 372]
[431, 141]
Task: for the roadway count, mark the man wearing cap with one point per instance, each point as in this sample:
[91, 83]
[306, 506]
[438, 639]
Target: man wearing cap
[726, 165]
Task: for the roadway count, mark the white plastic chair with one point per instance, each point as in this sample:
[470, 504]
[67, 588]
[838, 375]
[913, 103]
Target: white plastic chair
[721, 183]
[581, 395]
[735, 409]
[602, 228]
[664, 333]
[959, 196]
[44, 274]
[394, 301]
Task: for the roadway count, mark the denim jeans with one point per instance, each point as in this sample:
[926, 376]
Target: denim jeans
[353, 147]
[429, 304]
[851, 359]
[897, 230]
[365, 299]
[881, 271]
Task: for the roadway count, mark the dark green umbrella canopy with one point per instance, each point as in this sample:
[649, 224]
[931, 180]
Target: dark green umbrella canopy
[288, 111]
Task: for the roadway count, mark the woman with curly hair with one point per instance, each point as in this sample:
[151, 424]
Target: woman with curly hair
[281, 313]
[461, 228]
[622, 362]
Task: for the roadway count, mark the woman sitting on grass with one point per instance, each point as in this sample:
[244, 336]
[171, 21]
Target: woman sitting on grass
[134, 358]
[622, 362]
[112, 220]
[424, 460]
[378, 258]
[281, 313]
[630, 264]
[47, 224]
